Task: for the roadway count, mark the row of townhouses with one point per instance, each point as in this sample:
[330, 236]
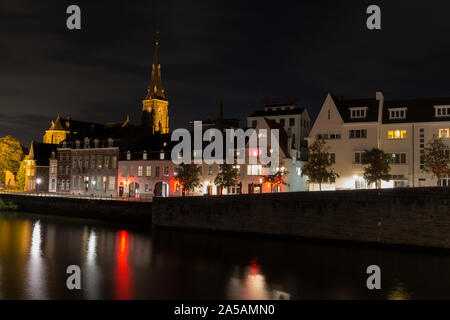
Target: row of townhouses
[400, 128]
[122, 160]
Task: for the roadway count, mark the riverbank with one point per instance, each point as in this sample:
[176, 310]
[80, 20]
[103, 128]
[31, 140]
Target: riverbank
[123, 212]
[405, 217]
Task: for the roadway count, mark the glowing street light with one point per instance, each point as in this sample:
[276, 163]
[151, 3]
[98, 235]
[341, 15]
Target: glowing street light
[38, 182]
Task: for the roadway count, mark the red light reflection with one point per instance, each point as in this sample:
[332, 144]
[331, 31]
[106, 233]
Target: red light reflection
[123, 270]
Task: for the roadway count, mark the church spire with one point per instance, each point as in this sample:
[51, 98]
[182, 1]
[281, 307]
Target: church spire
[156, 90]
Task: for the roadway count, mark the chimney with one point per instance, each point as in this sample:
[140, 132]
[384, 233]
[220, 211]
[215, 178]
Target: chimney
[219, 113]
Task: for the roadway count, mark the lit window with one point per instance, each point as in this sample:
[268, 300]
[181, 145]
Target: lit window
[128, 155]
[444, 133]
[139, 171]
[148, 171]
[254, 170]
[144, 155]
[161, 155]
[397, 134]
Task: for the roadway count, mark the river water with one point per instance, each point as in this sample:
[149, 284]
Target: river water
[116, 263]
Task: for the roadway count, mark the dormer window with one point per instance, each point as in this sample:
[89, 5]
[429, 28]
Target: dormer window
[397, 113]
[77, 143]
[110, 142]
[358, 113]
[64, 144]
[86, 142]
[144, 155]
[161, 155]
[96, 143]
[128, 155]
[442, 111]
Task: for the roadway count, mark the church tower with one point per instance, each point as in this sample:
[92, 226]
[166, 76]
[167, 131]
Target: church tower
[155, 112]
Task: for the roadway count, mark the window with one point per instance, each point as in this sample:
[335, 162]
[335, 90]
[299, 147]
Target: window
[397, 113]
[161, 155]
[112, 184]
[282, 122]
[358, 134]
[444, 133]
[131, 172]
[358, 113]
[359, 157]
[99, 162]
[442, 111]
[166, 171]
[67, 170]
[53, 169]
[92, 162]
[146, 187]
[397, 158]
[86, 162]
[114, 162]
[397, 134]
[254, 170]
[292, 122]
[106, 162]
[139, 171]
[144, 155]
[332, 158]
[128, 155]
[148, 171]
[157, 172]
[74, 163]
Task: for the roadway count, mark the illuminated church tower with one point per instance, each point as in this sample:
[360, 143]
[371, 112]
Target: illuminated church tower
[155, 113]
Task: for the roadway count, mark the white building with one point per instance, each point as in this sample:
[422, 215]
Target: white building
[399, 127]
[294, 120]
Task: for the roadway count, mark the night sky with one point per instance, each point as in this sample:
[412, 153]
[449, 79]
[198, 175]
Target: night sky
[236, 52]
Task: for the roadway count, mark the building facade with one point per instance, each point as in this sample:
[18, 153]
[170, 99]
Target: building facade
[400, 128]
[294, 120]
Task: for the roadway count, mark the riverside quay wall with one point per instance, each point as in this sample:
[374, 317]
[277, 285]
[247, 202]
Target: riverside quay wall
[411, 216]
[126, 212]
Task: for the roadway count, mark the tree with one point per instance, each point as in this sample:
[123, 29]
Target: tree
[275, 179]
[227, 177]
[20, 177]
[188, 176]
[377, 166]
[436, 159]
[11, 154]
[319, 166]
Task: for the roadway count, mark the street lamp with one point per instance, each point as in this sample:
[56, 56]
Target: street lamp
[38, 182]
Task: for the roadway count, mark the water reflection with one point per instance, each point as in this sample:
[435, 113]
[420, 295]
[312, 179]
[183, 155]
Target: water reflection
[123, 270]
[125, 264]
[36, 266]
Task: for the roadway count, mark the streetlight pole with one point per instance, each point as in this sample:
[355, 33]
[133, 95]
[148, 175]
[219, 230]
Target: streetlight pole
[38, 182]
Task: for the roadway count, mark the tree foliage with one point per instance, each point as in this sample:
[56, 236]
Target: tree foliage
[227, 177]
[436, 158]
[20, 177]
[319, 167]
[188, 176]
[11, 154]
[377, 166]
[275, 179]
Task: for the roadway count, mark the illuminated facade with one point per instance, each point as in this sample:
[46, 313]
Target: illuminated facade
[37, 166]
[155, 111]
[400, 128]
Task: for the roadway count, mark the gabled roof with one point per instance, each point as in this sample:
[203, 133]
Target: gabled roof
[264, 113]
[343, 106]
[418, 110]
[283, 136]
[41, 152]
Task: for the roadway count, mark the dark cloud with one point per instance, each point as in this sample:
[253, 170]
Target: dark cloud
[237, 52]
